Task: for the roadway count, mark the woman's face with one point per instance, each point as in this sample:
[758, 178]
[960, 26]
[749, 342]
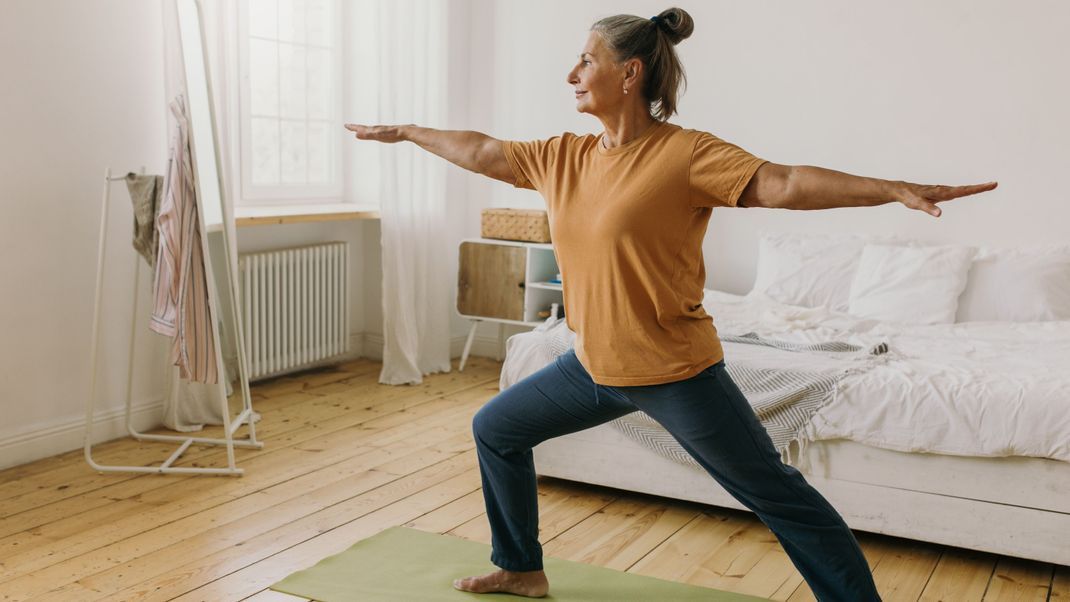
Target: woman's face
[597, 79]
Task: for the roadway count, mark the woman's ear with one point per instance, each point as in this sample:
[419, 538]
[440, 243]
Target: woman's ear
[633, 72]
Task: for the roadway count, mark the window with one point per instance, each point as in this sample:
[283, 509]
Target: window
[290, 68]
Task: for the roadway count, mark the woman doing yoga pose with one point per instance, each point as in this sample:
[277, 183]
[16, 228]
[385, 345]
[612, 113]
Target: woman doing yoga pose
[628, 211]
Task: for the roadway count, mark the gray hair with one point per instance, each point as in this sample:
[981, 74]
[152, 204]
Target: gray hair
[652, 41]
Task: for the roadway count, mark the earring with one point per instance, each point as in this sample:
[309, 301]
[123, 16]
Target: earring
[626, 90]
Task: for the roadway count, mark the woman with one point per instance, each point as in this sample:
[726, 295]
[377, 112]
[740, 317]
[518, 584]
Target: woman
[628, 210]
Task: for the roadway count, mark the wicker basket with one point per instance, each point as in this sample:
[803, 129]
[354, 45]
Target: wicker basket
[530, 225]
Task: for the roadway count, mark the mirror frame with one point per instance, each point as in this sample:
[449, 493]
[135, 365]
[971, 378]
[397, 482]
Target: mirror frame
[214, 218]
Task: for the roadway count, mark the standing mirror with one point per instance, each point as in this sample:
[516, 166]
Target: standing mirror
[217, 228]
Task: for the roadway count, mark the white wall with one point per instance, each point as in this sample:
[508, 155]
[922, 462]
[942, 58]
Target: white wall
[83, 90]
[952, 92]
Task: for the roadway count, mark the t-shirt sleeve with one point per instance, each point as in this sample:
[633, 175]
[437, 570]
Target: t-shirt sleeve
[719, 172]
[532, 161]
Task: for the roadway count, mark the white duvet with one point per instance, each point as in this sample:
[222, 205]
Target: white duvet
[974, 388]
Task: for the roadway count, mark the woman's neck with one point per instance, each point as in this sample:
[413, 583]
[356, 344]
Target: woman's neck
[624, 127]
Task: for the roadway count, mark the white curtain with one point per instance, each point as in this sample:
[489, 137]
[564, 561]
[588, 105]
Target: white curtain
[412, 89]
[188, 406]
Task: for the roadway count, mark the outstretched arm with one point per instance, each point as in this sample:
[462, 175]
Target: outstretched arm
[471, 150]
[805, 187]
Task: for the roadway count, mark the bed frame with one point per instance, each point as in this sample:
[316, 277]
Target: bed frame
[1014, 506]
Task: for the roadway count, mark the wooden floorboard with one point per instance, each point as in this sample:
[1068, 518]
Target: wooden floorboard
[345, 458]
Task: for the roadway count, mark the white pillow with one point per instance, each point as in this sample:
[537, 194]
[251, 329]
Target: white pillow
[1029, 284]
[913, 284]
[810, 270]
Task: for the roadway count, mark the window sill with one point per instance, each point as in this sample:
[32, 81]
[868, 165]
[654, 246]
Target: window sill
[259, 215]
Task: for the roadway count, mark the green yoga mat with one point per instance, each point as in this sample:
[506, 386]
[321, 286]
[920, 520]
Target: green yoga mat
[402, 564]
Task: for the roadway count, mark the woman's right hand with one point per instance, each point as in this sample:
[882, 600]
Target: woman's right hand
[380, 133]
[473, 151]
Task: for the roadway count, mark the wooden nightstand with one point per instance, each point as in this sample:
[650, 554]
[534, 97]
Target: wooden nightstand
[506, 282]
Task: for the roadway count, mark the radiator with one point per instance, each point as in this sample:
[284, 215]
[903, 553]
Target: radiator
[295, 307]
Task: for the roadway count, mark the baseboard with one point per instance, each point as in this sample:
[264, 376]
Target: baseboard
[372, 345]
[70, 434]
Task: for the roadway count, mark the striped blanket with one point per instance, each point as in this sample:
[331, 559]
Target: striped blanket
[785, 383]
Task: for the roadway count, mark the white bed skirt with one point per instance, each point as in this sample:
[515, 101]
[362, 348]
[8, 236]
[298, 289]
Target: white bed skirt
[1014, 506]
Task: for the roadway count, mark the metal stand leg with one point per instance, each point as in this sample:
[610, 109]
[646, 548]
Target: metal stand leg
[468, 344]
[501, 342]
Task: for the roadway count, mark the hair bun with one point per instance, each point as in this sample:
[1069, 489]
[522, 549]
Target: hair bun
[676, 24]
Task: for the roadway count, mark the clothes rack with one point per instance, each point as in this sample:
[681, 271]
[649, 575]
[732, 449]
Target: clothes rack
[229, 426]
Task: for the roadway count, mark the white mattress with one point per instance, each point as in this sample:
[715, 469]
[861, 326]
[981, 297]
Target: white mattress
[971, 389]
[974, 389]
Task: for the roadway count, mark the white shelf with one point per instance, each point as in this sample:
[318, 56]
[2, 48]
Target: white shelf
[539, 294]
[540, 267]
[546, 285]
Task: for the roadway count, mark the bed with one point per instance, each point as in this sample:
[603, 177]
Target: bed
[957, 433]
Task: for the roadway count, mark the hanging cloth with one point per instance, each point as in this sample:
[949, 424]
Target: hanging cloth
[145, 192]
[180, 288]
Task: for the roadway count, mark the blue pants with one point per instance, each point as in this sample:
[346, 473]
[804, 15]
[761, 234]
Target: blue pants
[709, 416]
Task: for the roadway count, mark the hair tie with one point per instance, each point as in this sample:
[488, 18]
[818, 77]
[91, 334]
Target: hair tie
[656, 19]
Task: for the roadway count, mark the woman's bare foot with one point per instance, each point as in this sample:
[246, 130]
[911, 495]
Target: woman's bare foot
[527, 583]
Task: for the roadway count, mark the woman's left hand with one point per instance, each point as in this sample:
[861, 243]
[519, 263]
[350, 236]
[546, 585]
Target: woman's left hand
[924, 198]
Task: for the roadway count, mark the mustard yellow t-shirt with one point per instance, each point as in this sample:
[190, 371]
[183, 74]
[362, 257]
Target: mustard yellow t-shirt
[627, 226]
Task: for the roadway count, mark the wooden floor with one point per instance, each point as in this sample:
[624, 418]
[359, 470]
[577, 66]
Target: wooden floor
[346, 458]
